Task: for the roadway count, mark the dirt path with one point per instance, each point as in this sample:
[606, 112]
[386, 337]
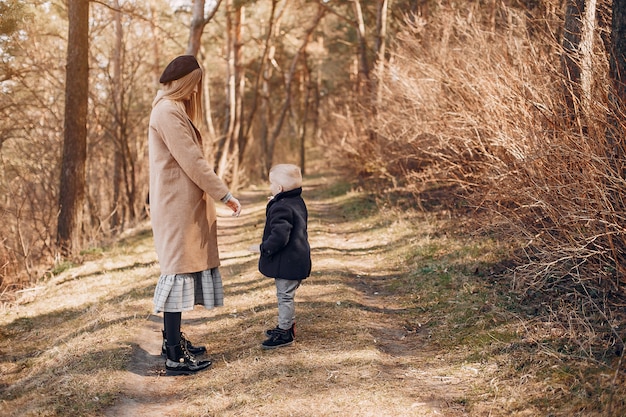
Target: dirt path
[143, 388]
[359, 351]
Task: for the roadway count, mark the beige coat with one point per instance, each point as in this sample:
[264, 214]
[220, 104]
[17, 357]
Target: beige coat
[183, 187]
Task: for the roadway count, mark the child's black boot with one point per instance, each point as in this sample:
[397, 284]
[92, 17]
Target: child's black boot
[180, 362]
[278, 338]
[270, 332]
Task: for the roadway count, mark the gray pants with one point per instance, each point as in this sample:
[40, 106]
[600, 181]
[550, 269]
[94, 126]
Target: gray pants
[285, 292]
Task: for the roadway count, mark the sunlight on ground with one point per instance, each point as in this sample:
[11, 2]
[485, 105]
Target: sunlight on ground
[91, 344]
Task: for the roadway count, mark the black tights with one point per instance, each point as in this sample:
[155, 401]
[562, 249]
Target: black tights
[171, 322]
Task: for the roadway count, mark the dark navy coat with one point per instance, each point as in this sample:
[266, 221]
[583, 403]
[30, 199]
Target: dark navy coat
[285, 250]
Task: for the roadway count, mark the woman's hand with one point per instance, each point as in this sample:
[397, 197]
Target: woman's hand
[234, 205]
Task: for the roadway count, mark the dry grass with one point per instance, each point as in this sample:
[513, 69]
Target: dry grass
[473, 113]
[401, 317]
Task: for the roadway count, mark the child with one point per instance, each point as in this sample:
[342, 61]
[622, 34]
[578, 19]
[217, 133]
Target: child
[285, 254]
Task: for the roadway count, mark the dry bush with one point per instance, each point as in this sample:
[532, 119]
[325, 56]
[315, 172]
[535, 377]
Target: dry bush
[449, 104]
[7, 263]
[481, 107]
[27, 211]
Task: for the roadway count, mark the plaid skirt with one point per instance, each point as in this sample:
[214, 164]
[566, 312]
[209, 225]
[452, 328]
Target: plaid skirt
[180, 292]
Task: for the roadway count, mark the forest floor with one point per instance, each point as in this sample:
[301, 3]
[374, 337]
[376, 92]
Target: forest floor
[400, 317]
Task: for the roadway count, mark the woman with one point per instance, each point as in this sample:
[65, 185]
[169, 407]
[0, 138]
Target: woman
[182, 188]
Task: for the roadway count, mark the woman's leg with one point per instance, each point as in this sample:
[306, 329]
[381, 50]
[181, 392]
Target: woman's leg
[178, 359]
[171, 323]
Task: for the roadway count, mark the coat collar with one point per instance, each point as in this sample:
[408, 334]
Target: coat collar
[296, 192]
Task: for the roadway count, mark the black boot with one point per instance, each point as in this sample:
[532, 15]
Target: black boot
[194, 350]
[180, 362]
[278, 338]
[270, 332]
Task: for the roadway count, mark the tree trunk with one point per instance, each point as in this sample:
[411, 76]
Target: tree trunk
[233, 89]
[198, 22]
[381, 40]
[618, 55]
[586, 54]
[208, 119]
[72, 181]
[271, 142]
[363, 74]
[124, 181]
[266, 112]
[615, 133]
[570, 59]
[260, 82]
[307, 82]
[617, 61]
[157, 38]
[194, 46]
[117, 217]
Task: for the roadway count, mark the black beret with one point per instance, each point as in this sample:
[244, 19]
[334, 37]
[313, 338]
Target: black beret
[178, 68]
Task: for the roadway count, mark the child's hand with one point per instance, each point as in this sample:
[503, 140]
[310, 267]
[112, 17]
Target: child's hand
[255, 248]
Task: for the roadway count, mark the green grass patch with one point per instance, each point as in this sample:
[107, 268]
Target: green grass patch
[61, 267]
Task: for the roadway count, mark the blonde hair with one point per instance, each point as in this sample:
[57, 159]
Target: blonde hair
[178, 90]
[287, 175]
